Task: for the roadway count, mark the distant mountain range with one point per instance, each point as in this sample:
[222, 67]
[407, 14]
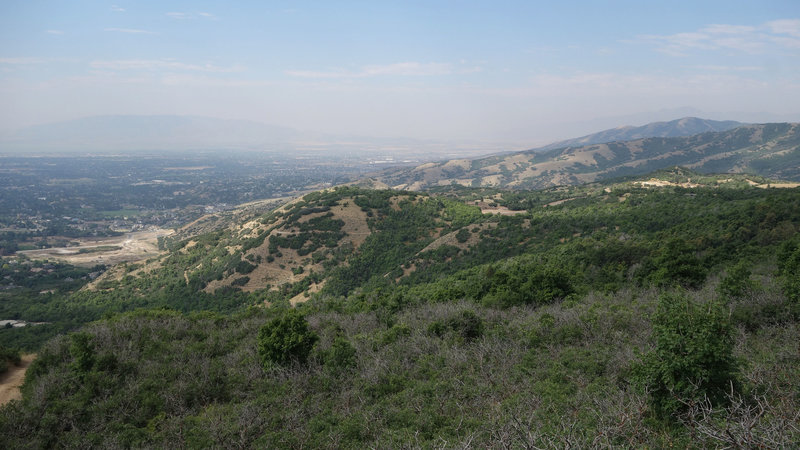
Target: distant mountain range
[686, 126]
[771, 150]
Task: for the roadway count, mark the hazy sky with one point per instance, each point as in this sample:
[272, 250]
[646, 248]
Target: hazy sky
[494, 70]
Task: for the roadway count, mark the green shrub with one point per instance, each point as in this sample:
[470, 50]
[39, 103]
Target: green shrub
[693, 356]
[286, 340]
[8, 357]
[394, 333]
[341, 355]
[467, 324]
[240, 281]
[789, 269]
[677, 263]
[82, 351]
[737, 281]
[244, 267]
[528, 282]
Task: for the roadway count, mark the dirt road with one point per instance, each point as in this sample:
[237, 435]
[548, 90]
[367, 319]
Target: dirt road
[11, 381]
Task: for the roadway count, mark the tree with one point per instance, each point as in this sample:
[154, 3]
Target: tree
[285, 340]
[693, 356]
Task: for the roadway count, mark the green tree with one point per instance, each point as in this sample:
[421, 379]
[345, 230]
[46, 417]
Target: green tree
[285, 340]
[693, 355]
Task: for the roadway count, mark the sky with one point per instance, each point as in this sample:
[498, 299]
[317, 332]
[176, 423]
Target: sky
[505, 71]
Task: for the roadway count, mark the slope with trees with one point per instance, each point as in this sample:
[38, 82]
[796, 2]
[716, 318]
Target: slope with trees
[622, 313]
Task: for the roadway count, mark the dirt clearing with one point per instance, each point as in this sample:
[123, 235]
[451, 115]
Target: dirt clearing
[11, 381]
[129, 247]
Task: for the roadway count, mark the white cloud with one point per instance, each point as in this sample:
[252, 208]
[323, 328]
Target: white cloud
[396, 69]
[408, 69]
[116, 8]
[739, 38]
[57, 32]
[187, 15]
[785, 26]
[129, 30]
[186, 80]
[179, 15]
[161, 64]
[720, 68]
[728, 29]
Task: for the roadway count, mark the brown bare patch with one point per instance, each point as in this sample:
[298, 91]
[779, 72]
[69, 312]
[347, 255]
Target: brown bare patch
[90, 252]
[12, 380]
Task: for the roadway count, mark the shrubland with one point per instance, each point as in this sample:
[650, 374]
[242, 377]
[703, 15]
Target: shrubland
[624, 316]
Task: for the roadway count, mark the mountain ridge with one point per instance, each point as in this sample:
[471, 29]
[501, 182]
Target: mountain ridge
[685, 126]
[771, 150]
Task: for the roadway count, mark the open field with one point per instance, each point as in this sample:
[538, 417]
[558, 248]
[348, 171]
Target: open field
[134, 246]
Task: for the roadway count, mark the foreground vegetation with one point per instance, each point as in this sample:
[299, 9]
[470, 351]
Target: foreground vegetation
[546, 376]
[623, 316]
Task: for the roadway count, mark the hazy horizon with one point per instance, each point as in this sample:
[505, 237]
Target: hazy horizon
[514, 72]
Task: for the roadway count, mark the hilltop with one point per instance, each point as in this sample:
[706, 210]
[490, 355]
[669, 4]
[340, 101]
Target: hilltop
[771, 150]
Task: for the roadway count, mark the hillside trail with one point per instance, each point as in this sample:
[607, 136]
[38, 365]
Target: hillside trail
[11, 381]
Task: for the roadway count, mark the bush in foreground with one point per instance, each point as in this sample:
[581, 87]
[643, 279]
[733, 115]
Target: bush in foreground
[693, 356]
[286, 340]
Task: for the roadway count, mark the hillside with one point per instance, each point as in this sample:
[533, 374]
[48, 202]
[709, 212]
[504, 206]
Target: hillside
[337, 241]
[771, 150]
[470, 317]
[686, 126]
